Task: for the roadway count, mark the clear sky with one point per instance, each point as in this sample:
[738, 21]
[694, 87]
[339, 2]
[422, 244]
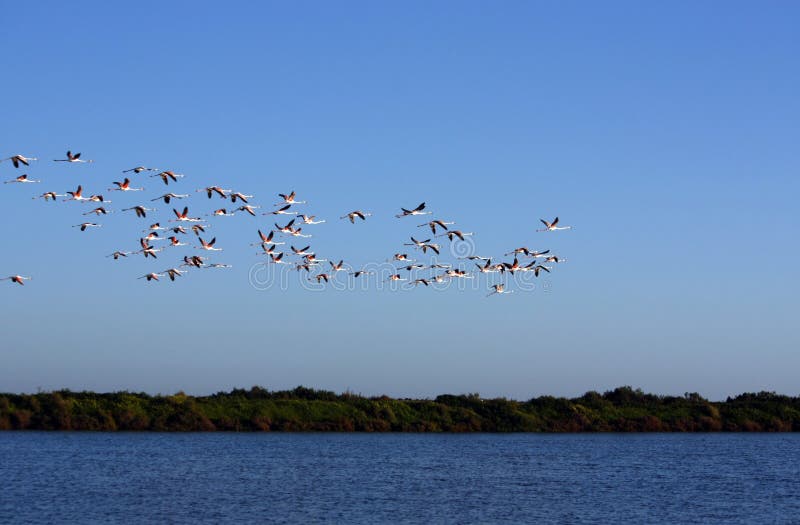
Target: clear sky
[665, 134]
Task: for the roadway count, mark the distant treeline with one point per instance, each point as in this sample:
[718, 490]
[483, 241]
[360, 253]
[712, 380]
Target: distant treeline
[303, 409]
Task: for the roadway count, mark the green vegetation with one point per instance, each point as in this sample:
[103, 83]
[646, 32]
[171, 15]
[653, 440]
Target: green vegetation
[302, 409]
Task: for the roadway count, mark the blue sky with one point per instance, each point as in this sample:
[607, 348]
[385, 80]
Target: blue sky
[665, 134]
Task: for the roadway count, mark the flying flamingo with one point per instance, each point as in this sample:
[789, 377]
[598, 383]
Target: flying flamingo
[16, 279]
[433, 224]
[116, 255]
[141, 211]
[184, 216]
[151, 276]
[16, 160]
[241, 196]
[357, 213]
[309, 219]
[21, 178]
[222, 213]
[73, 157]
[168, 196]
[415, 211]
[455, 233]
[248, 208]
[500, 289]
[167, 175]
[282, 211]
[98, 211]
[210, 190]
[139, 169]
[551, 226]
[174, 241]
[124, 186]
[173, 273]
[209, 246]
[267, 239]
[49, 195]
[289, 199]
[85, 225]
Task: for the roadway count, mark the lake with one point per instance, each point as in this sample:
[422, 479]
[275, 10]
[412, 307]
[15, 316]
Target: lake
[399, 478]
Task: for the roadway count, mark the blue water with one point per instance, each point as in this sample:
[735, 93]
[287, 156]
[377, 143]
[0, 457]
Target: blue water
[399, 478]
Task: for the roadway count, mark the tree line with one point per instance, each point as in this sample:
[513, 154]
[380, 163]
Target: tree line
[623, 409]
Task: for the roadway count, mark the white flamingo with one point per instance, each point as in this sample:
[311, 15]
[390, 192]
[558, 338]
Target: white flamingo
[124, 186]
[16, 160]
[356, 214]
[415, 211]
[165, 176]
[551, 226]
[169, 196]
[49, 195]
[85, 225]
[22, 179]
[73, 157]
[208, 246]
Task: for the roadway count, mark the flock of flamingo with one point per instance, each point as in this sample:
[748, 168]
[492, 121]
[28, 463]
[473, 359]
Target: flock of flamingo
[302, 259]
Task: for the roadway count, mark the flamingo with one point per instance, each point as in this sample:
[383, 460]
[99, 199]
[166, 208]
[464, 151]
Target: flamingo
[312, 259]
[249, 209]
[418, 244]
[210, 190]
[49, 195]
[457, 273]
[173, 273]
[303, 266]
[402, 257]
[359, 273]
[417, 282]
[169, 196]
[476, 258]
[499, 289]
[85, 225]
[309, 219]
[439, 266]
[551, 226]
[141, 211]
[357, 213]
[269, 249]
[156, 228]
[282, 211]
[411, 267]
[167, 175]
[152, 236]
[554, 259]
[178, 229]
[124, 186]
[415, 211]
[512, 267]
[299, 233]
[222, 213]
[16, 279]
[139, 169]
[16, 160]
[97, 198]
[267, 239]
[208, 246]
[151, 276]
[241, 196]
[218, 265]
[396, 277]
[489, 267]
[278, 258]
[337, 267]
[429, 246]
[455, 233]
[147, 250]
[289, 199]
[184, 216]
[197, 228]
[98, 211]
[194, 260]
[116, 255]
[301, 251]
[77, 195]
[73, 157]
[321, 277]
[433, 224]
[285, 229]
[174, 241]
[21, 178]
